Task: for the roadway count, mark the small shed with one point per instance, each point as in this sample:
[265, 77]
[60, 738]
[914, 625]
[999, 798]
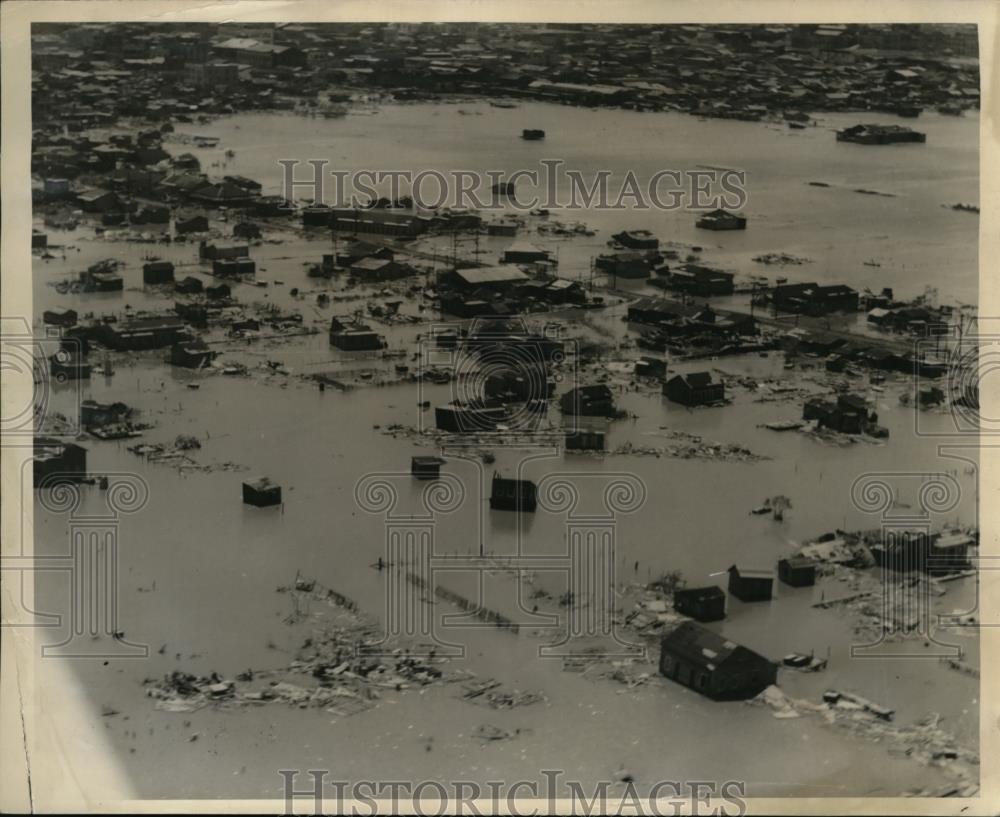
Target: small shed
[701, 603]
[426, 467]
[513, 494]
[261, 492]
[751, 585]
[797, 571]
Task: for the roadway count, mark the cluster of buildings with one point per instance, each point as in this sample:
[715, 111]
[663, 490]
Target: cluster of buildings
[93, 74]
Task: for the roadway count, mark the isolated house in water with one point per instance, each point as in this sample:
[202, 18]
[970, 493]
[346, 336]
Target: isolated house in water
[712, 665]
[513, 494]
[261, 492]
[722, 220]
[701, 603]
[797, 571]
[695, 389]
[426, 467]
[751, 585]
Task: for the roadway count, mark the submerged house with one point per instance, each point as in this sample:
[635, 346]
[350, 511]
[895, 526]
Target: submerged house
[354, 337]
[513, 494]
[261, 493]
[797, 571]
[141, 333]
[589, 401]
[191, 354]
[57, 461]
[813, 299]
[158, 272]
[467, 419]
[699, 280]
[750, 585]
[637, 239]
[701, 603]
[906, 551]
[233, 267]
[695, 389]
[585, 440]
[869, 134]
[713, 665]
[722, 220]
[426, 467]
[850, 414]
[59, 317]
[636, 264]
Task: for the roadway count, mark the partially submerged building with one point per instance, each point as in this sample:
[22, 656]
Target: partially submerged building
[459, 419]
[190, 354]
[585, 440]
[354, 337]
[813, 299]
[519, 495]
[722, 220]
[158, 272]
[797, 571]
[426, 467]
[750, 585]
[848, 414]
[713, 665]
[57, 461]
[869, 134]
[694, 389]
[261, 492]
[589, 401]
[701, 603]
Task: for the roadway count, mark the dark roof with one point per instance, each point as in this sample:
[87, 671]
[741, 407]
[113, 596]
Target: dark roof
[798, 562]
[700, 593]
[699, 380]
[703, 647]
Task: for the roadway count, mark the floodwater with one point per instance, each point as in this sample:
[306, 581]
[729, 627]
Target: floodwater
[198, 569]
[917, 242]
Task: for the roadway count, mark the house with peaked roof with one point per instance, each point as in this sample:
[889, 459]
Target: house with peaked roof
[713, 665]
[694, 389]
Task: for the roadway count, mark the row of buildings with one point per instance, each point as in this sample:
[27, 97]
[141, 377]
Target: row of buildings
[92, 74]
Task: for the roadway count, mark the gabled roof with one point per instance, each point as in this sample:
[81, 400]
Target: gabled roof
[703, 647]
